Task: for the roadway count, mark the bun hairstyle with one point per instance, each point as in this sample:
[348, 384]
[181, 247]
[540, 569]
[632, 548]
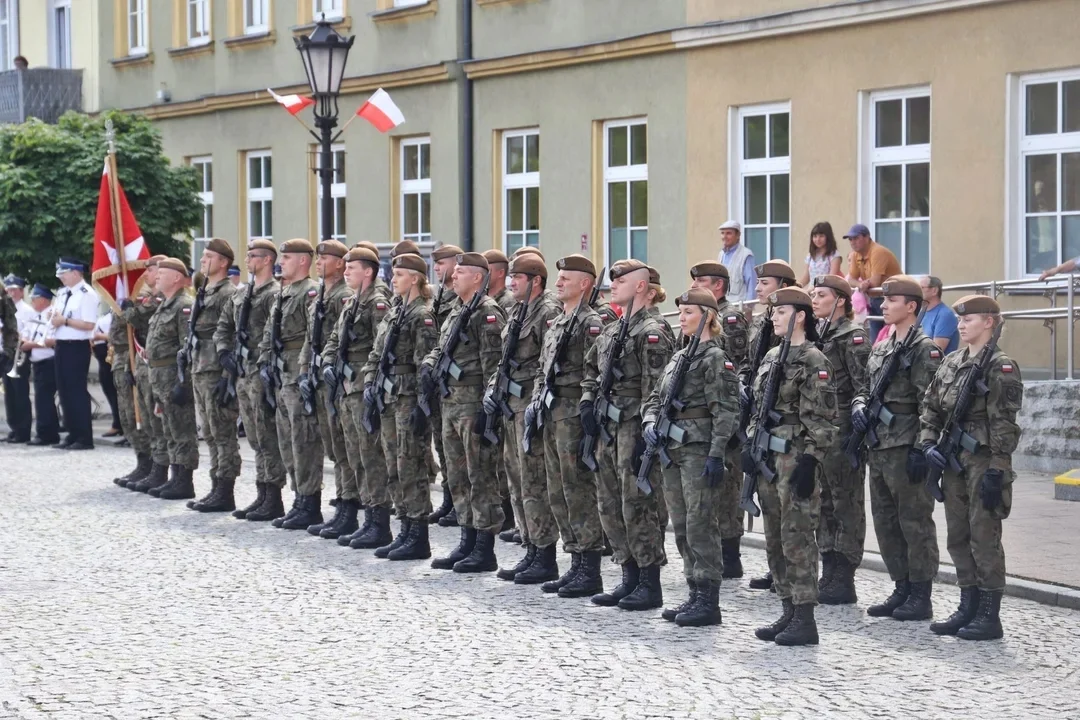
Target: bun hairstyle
[659, 295]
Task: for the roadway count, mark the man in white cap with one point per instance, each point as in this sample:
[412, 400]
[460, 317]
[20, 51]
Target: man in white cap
[739, 260]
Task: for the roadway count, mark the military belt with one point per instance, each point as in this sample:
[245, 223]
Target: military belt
[627, 393]
[205, 335]
[465, 380]
[355, 356]
[903, 408]
[162, 363]
[698, 413]
[293, 344]
[410, 369]
[567, 391]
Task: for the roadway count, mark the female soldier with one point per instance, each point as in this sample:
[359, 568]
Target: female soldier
[806, 429]
[979, 496]
[708, 414]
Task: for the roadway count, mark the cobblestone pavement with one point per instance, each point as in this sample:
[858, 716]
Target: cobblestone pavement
[116, 605]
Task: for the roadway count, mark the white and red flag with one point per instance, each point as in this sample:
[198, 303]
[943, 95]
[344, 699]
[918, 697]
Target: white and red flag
[292, 103]
[117, 273]
[380, 111]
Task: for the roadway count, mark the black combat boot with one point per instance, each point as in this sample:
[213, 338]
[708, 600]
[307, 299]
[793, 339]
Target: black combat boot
[828, 567]
[310, 513]
[525, 562]
[508, 535]
[462, 551]
[587, 582]
[899, 597]
[416, 545]
[271, 507]
[556, 585]
[242, 513]
[630, 579]
[339, 510]
[802, 630]
[156, 491]
[445, 508]
[762, 583]
[155, 479]
[378, 534]
[841, 588]
[918, 605]
[223, 501]
[670, 613]
[648, 594]
[184, 487]
[450, 519]
[987, 623]
[544, 568]
[143, 464]
[732, 558]
[347, 524]
[208, 497]
[769, 632]
[383, 552]
[482, 558]
[296, 506]
[508, 516]
[346, 540]
[706, 608]
[969, 606]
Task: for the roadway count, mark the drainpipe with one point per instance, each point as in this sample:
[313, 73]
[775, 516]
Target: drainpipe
[465, 124]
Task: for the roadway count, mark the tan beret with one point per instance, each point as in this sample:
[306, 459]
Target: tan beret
[791, 296]
[405, 247]
[524, 249]
[496, 256]
[834, 283]
[654, 276]
[367, 244]
[263, 244]
[976, 305]
[776, 269]
[527, 264]
[698, 296]
[358, 254]
[173, 264]
[622, 267]
[411, 261]
[221, 247]
[297, 245]
[709, 268]
[575, 263]
[902, 285]
[472, 259]
[446, 251]
[154, 260]
[335, 248]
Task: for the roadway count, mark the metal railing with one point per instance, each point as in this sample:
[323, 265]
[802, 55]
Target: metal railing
[45, 93]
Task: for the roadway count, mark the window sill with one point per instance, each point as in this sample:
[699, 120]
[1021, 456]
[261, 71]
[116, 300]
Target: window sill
[243, 42]
[132, 61]
[342, 25]
[206, 48]
[488, 3]
[401, 14]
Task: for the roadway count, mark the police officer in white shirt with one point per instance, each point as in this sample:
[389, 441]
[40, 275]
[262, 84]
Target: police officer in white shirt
[38, 344]
[74, 319]
[17, 383]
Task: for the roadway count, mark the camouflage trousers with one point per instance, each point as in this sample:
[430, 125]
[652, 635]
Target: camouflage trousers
[791, 532]
[633, 522]
[346, 483]
[260, 425]
[218, 426]
[125, 403]
[693, 506]
[436, 425]
[903, 517]
[412, 476]
[528, 484]
[729, 517]
[365, 453]
[470, 469]
[298, 436]
[843, 506]
[571, 487]
[152, 424]
[974, 533]
[178, 421]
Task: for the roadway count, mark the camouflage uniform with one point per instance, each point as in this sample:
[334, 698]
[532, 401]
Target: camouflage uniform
[604, 310]
[219, 423]
[138, 315]
[903, 511]
[632, 521]
[506, 301]
[470, 464]
[123, 378]
[450, 302]
[806, 401]
[710, 392]
[9, 337]
[735, 343]
[974, 533]
[166, 335]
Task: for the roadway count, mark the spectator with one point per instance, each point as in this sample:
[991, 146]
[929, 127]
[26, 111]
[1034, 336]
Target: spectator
[939, 322]
[739, 261]
[1066, 267]
[21, 63]
[869, 265]
[823, 258]
[105, 375]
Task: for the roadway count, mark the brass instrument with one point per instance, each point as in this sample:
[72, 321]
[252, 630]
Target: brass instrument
[42, 330]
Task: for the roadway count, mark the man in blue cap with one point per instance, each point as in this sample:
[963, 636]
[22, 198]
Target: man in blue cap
[37, 344]
[17, 382]
[74, 319]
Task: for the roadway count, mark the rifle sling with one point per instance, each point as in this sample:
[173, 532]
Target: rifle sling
[406, 369]
[163, 362]
[293, 344]
[697, 413]
[476, 379]
[567, 391]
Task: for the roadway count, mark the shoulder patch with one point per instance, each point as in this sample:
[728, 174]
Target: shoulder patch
[595, 330]
[728, 365]
[83, 288]
[935, 354]
[186, 311]
[1006, 368]
[823, 374]
[380, 306]
[731, 319]
[651, 339]
[858, 340]
[312, 293]
[428, 322]
[491, 319]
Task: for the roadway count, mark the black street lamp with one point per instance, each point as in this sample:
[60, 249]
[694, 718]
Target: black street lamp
[324, 53]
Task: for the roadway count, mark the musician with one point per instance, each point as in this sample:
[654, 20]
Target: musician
[43, 365]
[74, 319]
[17, 381]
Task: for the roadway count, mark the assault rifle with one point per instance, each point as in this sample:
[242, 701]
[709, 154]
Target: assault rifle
[191, 343]
[342, 369]
[764, 441]
[445, 367]
[827, 325]
[316, 342]
[953, 438]
[603, 409]
[504, 386]
[669, 403]
[240, 349]
[372, 419]
[761, 347]
[437, 305]
[876, 412]
[277, 358]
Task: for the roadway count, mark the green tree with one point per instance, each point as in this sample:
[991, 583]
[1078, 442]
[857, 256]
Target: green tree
[50, 177]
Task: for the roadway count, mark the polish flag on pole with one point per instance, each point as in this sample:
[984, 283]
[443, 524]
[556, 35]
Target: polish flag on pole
[292, 103]
[381, 112]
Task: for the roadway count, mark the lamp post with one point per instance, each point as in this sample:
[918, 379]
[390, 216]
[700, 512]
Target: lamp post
[324, 53]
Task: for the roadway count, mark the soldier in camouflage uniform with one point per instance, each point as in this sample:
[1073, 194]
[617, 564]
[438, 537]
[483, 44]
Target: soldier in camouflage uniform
[979, 496]
[259, 422]
[167, 333]
[902, 508]
[631, 519]
[9, 332]
[298, 432]
[445, 302]
[571, 487]
[842, 529]
[217, 411]
[708, 413]
[124, 379]
[791, 502]
[498, 265]
[470, 463]
[525, 470]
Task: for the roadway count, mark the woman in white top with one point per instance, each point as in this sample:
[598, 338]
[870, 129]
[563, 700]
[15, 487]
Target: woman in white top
[823, 258]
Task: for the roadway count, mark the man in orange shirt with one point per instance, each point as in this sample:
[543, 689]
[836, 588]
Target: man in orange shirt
[870, 265]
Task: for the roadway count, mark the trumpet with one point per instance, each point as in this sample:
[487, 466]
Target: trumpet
[36, 336]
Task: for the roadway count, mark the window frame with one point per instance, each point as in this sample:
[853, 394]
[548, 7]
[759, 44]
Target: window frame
[140, 45]
[334, 15]
[523, 181]
[59, 47]
[260, 194]
[207, 19]
[206, 196]
[742, 168]
[247, 21]
[395, 4]
[622, 174]
[10, 31]
[337, 192]
[419, 187]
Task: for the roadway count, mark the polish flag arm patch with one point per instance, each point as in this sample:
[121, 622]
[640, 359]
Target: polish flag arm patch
[380, 306]
[186, 311]
[428, 322]
[1006, 368]
[491, 319]
[595, 330]
[652, 339]
[728, 365]
[312, 293]
[935, 354]
[823, 374]
[858, 340]
[732, 319]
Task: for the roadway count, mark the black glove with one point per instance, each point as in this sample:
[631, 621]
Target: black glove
[934, 457]
[804, 476]
[126, 304]
[635, 457]
[714, 470]
[371, 396]
[650, 434]
[427, 381]
[329, 376]
[589, 426]
[733, 442]
[418, 420]
[859, 421]
[307, 390]
[221, 392]
[993, 482]
[227, 360]
[746, 397]
[916, 466]
[490, 406]
[180, 395]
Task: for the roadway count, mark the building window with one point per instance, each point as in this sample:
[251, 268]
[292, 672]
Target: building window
[408, 3]
[9, 33]
[260, 195]
[521, 190]
[198, 22]
[898, 175]
[626, 190]
[202, 234]
[331, 9]
[256, 16]
[337, 193]
[60, 33]
[1049, 169]
[416, 189]
[136, 27]
[762, 181]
